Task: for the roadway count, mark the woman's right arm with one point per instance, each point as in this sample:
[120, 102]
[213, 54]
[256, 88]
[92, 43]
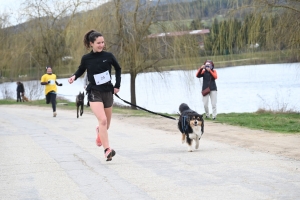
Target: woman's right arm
[81, 69]
[200, 71]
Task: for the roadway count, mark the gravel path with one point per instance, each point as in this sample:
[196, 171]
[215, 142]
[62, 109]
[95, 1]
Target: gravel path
[42, 157]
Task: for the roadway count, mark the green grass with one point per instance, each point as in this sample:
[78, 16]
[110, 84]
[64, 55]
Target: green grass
[41, 102]
[264, 120]
[288, 123]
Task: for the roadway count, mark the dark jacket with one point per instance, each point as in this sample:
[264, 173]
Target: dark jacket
[96, 63]
[20, 88]
[208, 78]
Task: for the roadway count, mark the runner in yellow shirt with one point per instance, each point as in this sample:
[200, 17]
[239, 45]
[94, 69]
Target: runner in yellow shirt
[49, 80]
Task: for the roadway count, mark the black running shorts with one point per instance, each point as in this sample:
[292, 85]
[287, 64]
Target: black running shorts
[105, 97]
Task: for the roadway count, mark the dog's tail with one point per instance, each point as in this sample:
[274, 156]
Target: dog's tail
[183, 107]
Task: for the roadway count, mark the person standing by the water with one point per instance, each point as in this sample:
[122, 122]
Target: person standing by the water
[209, 75]
[98, 64]
[49, 80]
[20, 91]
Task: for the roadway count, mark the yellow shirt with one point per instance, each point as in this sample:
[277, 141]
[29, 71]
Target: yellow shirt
[50, 86]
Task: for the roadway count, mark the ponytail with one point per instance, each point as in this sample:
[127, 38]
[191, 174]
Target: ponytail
[90, 36]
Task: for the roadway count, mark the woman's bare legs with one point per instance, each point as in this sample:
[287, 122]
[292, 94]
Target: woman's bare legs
[103, 116]
[108, 113]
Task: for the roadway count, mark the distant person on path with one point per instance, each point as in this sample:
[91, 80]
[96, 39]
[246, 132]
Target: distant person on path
[49, 80]
[20, 91]
[98, 64]
[209, 75]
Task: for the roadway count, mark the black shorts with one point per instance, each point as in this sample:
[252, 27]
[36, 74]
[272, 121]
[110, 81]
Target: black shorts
[105, 97]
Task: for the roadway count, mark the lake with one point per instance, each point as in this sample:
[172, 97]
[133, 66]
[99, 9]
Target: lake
[240, 89]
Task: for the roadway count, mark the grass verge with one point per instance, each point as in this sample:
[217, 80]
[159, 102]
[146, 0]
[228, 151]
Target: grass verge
[264, 120]
[288, 122]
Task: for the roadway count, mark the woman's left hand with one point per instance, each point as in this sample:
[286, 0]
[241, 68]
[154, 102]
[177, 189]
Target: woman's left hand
[116, 90]
[71, 79]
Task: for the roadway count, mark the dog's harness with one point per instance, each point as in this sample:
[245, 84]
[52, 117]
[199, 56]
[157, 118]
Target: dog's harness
[184, 123]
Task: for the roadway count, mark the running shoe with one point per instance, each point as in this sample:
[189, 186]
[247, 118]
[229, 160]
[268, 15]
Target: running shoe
[98, 141]
[109, 153]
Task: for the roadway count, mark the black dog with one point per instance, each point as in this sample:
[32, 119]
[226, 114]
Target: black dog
[191, 125]
[80, 103]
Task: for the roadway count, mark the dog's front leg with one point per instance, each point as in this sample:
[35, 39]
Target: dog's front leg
[183, 138]
[190, 148]
[197, 141]
[189, 143]
[81, 110]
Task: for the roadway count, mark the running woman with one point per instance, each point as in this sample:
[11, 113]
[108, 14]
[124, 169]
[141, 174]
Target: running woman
[98, 64]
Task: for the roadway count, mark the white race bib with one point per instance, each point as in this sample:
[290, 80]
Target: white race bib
[102, 78]
[51, 82]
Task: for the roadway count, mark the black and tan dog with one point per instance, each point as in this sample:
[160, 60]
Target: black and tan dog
[191, 125]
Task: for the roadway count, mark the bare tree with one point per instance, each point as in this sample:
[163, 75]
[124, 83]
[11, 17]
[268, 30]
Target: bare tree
[126, 26]
[126, 29]
[47, 26]
[6, 54]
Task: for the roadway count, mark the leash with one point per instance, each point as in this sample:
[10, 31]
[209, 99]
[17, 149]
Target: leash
[145, 109]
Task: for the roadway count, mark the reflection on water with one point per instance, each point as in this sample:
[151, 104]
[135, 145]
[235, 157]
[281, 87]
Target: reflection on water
[240, 89]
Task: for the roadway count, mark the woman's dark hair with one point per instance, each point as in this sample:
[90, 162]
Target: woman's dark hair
[90, 36]
[211, 62]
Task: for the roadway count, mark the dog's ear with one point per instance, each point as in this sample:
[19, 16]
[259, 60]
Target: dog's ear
[200, 116]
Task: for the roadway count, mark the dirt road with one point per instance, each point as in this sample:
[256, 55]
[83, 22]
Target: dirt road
[287, 145]
[42, 157]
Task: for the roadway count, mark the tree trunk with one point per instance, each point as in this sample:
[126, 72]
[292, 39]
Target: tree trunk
[132, 90]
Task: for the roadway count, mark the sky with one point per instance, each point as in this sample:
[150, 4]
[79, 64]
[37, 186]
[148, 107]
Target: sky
[8, 5]
[12, 8]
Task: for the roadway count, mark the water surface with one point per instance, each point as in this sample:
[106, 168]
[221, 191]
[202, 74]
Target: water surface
[240, 89]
